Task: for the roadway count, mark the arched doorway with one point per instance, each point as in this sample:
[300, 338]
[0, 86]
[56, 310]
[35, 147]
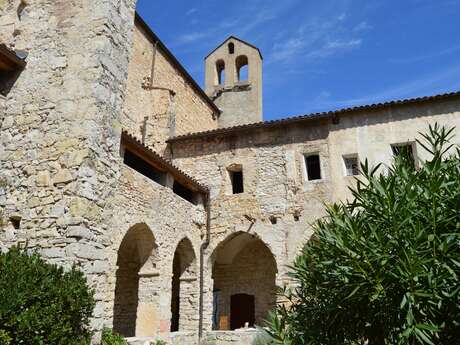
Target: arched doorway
[184, 294]
[244, 274]
[135, 261]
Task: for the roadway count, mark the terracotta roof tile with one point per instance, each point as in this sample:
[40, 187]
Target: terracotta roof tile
[311, 117]
[162, 162]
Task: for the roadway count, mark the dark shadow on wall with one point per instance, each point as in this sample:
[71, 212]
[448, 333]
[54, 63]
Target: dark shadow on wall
[135, 250]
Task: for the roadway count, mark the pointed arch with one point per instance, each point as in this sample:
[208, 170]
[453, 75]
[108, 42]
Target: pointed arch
[243, 269]
[220, 72]
[184, 287]
[242, 68]
[136, 255]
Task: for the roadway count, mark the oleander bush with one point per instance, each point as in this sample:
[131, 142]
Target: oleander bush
[111, 338]
[384, 268]
[41, 303]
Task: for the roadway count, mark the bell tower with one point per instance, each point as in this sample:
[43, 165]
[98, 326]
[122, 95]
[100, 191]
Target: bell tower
[234, 82]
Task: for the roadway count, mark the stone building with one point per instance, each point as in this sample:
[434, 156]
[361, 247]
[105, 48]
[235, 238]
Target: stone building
[181, 206]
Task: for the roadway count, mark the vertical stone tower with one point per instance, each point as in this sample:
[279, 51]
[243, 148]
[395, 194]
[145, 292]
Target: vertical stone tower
[234, 82]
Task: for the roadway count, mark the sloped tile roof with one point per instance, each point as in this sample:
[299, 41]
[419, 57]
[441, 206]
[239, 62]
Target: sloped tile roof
[162, 162]
[311, 117]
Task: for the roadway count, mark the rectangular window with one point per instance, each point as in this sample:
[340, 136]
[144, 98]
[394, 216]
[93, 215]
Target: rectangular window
[143, 167]
[351, 165]
[313, 165]
[405, 150]
[184, 192]
[236, 176]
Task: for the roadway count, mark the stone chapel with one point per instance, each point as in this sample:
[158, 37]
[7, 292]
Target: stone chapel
[181, 205]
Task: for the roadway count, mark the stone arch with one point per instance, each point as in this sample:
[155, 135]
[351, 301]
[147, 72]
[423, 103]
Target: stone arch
[242, 265]
[220, 72]
[184, 288]
[134, 311]
[242, 68]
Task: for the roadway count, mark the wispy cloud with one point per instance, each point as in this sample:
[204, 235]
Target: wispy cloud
[191, 11]
[192, 37]
[318, 38]
[412, 88]
[334, 47]
[288, 49]
[363, 26]
[423, 57]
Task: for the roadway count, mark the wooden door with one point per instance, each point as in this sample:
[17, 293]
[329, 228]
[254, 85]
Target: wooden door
[242, 310]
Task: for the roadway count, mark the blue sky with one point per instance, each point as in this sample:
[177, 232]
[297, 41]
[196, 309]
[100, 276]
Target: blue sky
[322, 55]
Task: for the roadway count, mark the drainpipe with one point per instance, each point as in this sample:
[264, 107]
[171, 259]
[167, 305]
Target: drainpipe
[204, 246]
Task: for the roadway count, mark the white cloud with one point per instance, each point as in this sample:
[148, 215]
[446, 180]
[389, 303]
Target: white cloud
[191, 11]
[334, 47]
[423, 57]
[363, 26]
[342, 17]
[321, 36]
[412, 88]
[287, 50]
[192, 37]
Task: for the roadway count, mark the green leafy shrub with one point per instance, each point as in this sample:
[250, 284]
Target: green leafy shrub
[385, 268]
[111, 338]
[159, 342]
[42, 304]
[4, 338]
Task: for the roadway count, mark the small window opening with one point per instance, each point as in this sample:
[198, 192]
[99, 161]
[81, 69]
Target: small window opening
[12, 64]
[220, 68]
[7, 81]
[313, 167]
[16, 222]
[143, 167]
[231, 48]
[242, 68]
[273, 220]
[296, 217]
[351, 165]
[236, 176]
[406, 151]
[184, 192]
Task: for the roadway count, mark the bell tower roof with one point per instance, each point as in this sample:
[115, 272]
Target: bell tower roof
[236, 39]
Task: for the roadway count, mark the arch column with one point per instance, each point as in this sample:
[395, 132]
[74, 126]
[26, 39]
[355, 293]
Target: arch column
[243, 269]
[147, 316]
[189, 294]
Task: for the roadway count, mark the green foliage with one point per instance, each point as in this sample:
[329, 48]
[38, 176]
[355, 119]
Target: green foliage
[384, 268]
[4, 338]
[111, 338]
[42, 304]
[159, 342]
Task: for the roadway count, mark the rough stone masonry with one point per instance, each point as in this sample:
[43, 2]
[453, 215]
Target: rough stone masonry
[180, 205]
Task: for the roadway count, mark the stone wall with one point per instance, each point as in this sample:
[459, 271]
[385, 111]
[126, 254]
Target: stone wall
[251, 272]
[59, 139]
[170, 219]
[170, 106]
[279, 204]
[240, 100]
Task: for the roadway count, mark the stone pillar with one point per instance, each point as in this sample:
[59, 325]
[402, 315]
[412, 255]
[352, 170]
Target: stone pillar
[147, 318]
[188, 312]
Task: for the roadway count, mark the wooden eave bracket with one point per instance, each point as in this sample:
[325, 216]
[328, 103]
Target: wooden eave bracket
[9, 60]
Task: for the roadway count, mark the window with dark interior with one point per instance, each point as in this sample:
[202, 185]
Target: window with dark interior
[184, 192]
[143, 167]
[405, 151]
[351, 165]
[220, 69]
[236, 176]
[231, 48]
[11, 65]
[313, 165]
